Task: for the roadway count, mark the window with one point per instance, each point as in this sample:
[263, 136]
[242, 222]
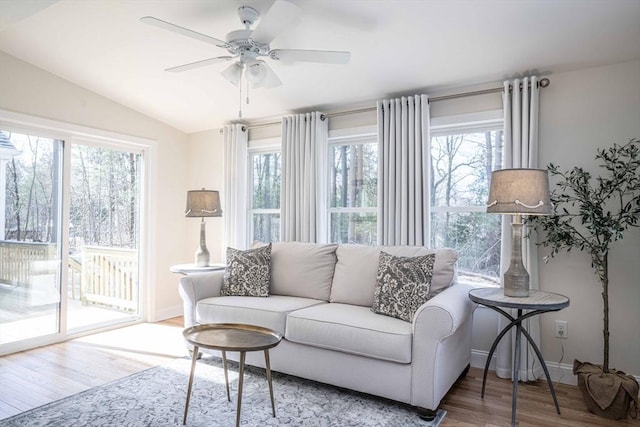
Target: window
[264, 178]
[462, 158]
[353, 189]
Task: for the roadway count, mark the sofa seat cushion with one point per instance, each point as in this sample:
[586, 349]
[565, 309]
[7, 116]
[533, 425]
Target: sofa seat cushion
[269, 312]
[351, 329]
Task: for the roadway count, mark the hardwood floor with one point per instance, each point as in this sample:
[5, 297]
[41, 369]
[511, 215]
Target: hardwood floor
[33, 378]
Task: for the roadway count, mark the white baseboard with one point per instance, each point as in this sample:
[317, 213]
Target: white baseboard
[166, 313]
[559, 372]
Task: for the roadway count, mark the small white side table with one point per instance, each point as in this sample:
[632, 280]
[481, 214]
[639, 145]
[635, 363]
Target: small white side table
[192, 268]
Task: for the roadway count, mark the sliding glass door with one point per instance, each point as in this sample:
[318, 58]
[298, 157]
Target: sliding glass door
[30, 236]
[69, 237]
[103, 236]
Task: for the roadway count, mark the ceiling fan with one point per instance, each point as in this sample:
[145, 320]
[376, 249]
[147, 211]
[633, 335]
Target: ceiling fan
[247, 46]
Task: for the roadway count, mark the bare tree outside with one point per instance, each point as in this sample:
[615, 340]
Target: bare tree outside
[353, 193]
[103, 194]
[461, 165]
[265, 201]
[103, 198]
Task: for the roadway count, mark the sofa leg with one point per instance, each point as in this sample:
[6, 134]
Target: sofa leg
[427, 414]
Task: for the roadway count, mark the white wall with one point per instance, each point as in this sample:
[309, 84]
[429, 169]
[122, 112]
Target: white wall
[31, 91]
[579, 112]
[206, 153]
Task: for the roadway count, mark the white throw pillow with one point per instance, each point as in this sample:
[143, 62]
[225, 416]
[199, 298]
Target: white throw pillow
[302, 269]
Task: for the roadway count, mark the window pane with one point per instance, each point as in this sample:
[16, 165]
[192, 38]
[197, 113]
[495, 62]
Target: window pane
[266, 227]
[354, 228]
[476, 238]
[103, 235]
[462, 165]
[353, 175]
[29, 236]
[104, 198]
[266, 181]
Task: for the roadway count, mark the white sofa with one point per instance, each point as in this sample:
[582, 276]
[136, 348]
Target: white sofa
[320, 300]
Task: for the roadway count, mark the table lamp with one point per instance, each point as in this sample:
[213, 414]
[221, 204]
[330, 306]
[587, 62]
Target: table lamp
[202, 203]
[518, 192]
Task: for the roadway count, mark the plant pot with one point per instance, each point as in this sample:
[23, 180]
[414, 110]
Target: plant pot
[612, 394]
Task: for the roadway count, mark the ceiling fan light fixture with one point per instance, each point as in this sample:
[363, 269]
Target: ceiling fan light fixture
[233, 73]
[256, 73]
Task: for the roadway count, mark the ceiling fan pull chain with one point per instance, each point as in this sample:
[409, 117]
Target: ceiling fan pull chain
[248, 85]
[240, 98]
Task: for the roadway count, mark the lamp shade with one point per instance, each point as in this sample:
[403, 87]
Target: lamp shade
[201, 203]
[519, 191]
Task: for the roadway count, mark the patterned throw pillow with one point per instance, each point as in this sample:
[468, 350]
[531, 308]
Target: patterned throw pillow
[402, 285]
[248, 273]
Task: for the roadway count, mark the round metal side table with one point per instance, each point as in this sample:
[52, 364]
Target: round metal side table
[538, 302]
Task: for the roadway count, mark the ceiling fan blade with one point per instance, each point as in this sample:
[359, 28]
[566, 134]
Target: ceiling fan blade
[281, 14]
[198, 64]
[184, 31]
[300, 55]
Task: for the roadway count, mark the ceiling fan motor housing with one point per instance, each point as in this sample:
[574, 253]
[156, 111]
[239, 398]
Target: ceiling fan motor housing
[240, 42]
[248, 15]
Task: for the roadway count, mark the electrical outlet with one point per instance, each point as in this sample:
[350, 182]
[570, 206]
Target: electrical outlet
[562, 330]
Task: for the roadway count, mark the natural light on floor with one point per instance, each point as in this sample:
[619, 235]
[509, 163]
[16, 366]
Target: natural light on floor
[140, 342]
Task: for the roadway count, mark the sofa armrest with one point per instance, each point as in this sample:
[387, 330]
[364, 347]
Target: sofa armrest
[441, 344]
[443, 314]
[195, 287]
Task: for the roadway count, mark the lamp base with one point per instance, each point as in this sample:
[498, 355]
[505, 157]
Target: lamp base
[202, 254]
[202, 258]
[516, 278]
[516, 284]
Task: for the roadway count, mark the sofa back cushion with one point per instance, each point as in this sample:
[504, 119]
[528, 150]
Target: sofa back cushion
[354, 280]
[302, 269]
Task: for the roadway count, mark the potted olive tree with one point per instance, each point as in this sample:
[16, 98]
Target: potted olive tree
[590, 214]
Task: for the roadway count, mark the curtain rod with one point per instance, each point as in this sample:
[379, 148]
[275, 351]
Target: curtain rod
[544, 82]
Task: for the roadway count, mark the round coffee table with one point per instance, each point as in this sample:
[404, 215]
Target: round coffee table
[231, 337]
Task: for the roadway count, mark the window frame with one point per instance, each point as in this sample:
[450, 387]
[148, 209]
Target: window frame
[492, 120]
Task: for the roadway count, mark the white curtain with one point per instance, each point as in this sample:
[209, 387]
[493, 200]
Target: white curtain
[234, 199]
[403, 191]
[303, 194]
[521, 104]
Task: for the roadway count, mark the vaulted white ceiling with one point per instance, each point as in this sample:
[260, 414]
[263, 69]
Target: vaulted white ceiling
[397, 47]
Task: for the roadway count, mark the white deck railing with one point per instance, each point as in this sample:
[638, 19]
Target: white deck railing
[107, 276]
[110, 277]
[20, 261]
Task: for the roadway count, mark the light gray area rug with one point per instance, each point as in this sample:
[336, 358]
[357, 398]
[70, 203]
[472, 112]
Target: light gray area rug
[156, 397]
